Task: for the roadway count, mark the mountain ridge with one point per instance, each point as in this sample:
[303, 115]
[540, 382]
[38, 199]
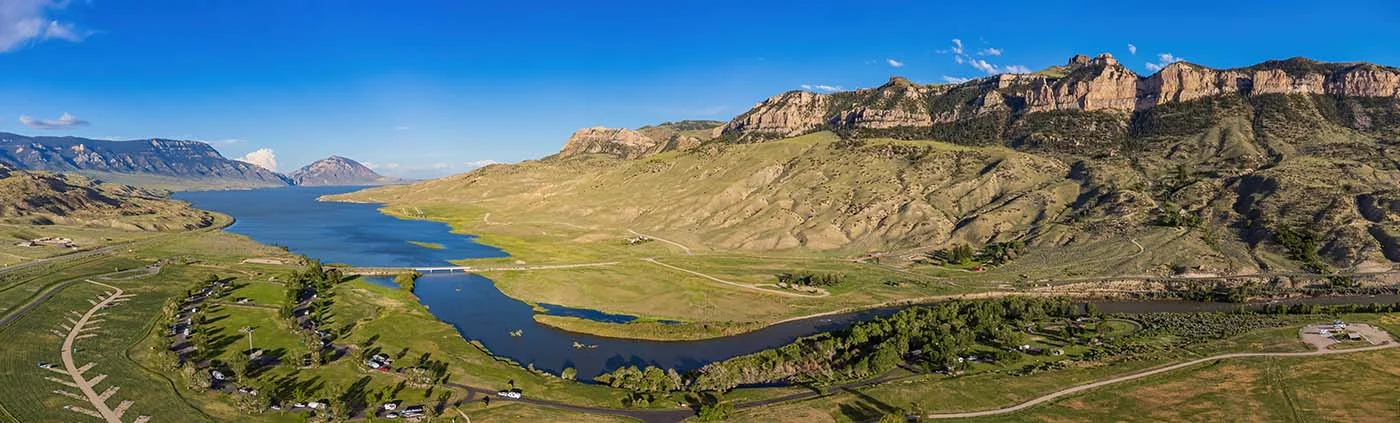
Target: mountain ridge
[170, 164]
[1299, 171]
[1097, 84]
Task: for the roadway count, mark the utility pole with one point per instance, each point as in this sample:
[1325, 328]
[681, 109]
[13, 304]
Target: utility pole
[249, 330]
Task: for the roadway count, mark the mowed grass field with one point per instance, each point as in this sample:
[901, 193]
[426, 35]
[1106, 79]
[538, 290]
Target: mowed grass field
[1348, 387]
[27, 394]
[518, 412]
[1356, 387]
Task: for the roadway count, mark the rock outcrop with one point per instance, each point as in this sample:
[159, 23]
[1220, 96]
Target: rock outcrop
[1083, 84]
[336, 170]
[630, 144]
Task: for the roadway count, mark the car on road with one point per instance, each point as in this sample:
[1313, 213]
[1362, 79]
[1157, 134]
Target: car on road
[509, 394]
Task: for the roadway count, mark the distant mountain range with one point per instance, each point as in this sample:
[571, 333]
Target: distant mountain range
[169, 164]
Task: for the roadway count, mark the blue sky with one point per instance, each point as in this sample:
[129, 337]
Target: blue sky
[426, 88]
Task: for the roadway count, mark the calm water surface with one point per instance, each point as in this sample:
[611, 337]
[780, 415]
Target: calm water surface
[358, 234]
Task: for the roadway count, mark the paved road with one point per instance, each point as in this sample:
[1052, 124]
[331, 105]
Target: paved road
[65, 257]
[1081, 388]
[49, 293]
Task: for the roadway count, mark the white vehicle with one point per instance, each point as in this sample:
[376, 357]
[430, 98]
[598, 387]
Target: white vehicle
[391, 415]
[299, 405]
[216, 374]
[509, 394]
[389, 406]
[314, 405]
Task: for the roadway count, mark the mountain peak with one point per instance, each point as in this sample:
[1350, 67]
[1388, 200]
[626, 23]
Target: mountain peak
[338, 170]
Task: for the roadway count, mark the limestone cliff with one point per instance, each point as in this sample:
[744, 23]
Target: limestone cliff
[1083, 84]
[629, 144]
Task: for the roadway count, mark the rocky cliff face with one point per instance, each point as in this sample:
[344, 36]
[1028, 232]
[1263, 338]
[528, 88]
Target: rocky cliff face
[620, 142]
[1083, 84]
[159, 157]
[629, 144]
[336, 170]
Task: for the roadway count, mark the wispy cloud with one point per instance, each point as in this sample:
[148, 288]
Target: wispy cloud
[66, 120]
[961, 57]
[403, 127]
[1163, 59]
[822, 87]
[894, 63]
[26, 21]
[1132, 49]
[955, 79]
[480, 163]
[263, 157]
[1017, 69]
[983, 66]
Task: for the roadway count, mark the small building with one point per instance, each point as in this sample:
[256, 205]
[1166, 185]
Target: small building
[414, 411]
[1354, 336]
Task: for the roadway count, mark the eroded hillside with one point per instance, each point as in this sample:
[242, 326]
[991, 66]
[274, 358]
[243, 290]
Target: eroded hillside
[1288, 165]
[44, 199]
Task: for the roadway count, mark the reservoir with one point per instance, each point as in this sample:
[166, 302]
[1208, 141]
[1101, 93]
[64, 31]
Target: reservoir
[359, 235]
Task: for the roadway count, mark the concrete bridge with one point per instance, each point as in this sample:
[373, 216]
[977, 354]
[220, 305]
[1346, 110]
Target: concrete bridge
[392, 271]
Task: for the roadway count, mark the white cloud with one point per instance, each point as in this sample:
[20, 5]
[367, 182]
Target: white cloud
[481, 163]
[960, 56]
[983, 66]
[24, 21]
[402, 128]
[66, 120]
[894, 63]
[263, 157]
[822, 87]
[1132, 49]
[955, 79]
[1163, 59]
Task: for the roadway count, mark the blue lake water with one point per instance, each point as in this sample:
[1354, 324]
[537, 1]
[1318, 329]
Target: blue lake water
[347, 233]
[358, 234]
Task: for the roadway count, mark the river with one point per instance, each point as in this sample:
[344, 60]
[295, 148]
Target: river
[357, 234]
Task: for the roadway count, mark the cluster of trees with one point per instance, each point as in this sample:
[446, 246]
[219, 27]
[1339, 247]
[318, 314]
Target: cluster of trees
[933, 336]
[651, 379]
[1302, 246]
[994, 254]
[811, 279]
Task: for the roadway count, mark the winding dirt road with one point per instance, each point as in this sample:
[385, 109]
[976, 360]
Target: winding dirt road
[98, 401]
[823, 292]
